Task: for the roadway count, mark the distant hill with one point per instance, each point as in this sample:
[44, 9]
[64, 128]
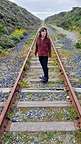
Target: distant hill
[68, 20]
[13, 16]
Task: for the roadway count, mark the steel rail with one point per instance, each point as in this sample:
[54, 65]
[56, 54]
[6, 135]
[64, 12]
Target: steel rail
[72, 95]
[3, 115]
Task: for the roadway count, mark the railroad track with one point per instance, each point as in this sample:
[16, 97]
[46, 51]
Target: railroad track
[40, 102]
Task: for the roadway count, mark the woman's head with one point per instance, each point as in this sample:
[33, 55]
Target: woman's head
[43, 32]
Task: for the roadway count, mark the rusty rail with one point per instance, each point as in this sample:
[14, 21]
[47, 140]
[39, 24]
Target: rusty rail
[72, 95]
[3, 117]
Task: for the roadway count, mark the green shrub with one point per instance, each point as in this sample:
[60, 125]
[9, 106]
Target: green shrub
[4, 52]
[24, 84]
[50, 135]
[18, 34]
[78, 45]
[15, 39]
[2, 29]
[11, 40]
[6, 42]
[1, 47]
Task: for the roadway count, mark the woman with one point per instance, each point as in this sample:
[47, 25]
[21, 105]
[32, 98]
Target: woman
[43, 48]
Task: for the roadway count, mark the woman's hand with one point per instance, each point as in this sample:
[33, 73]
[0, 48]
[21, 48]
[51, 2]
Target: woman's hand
[35, 53]
[49, 55]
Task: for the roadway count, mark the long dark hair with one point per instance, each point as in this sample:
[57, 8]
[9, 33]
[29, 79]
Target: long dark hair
[41, 30]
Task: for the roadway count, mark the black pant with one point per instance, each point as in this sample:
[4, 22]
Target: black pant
[44, 63]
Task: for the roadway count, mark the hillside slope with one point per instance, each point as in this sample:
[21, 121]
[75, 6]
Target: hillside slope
[68, 20]
[15, 22]
[12, 16]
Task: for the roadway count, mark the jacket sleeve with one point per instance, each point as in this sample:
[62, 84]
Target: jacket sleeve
[49, 48]
[36, 49]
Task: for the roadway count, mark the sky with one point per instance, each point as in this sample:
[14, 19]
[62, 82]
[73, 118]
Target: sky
[45, 8]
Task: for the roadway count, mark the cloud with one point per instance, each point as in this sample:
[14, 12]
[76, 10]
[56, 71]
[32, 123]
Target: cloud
[13, 1]
[44, 8]
[42, 14]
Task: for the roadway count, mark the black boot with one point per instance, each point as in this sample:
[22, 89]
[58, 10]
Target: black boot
[44, 80]
[41, 77]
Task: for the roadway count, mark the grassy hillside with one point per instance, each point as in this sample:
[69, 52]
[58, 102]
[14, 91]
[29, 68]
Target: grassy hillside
[68, 20]
[15, 21]
[11, 16]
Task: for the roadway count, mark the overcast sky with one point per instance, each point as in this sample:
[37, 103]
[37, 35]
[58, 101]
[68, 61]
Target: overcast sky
[45, 8]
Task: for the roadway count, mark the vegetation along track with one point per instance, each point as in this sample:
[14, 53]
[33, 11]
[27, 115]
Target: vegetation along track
[34, 107]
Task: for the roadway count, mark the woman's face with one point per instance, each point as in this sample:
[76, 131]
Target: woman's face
[43, 33]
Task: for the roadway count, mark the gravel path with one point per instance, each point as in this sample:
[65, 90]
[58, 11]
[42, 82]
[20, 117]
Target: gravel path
[10, 66]
[73, 59]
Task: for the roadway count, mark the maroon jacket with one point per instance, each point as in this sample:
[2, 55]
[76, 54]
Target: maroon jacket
[43, 47]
